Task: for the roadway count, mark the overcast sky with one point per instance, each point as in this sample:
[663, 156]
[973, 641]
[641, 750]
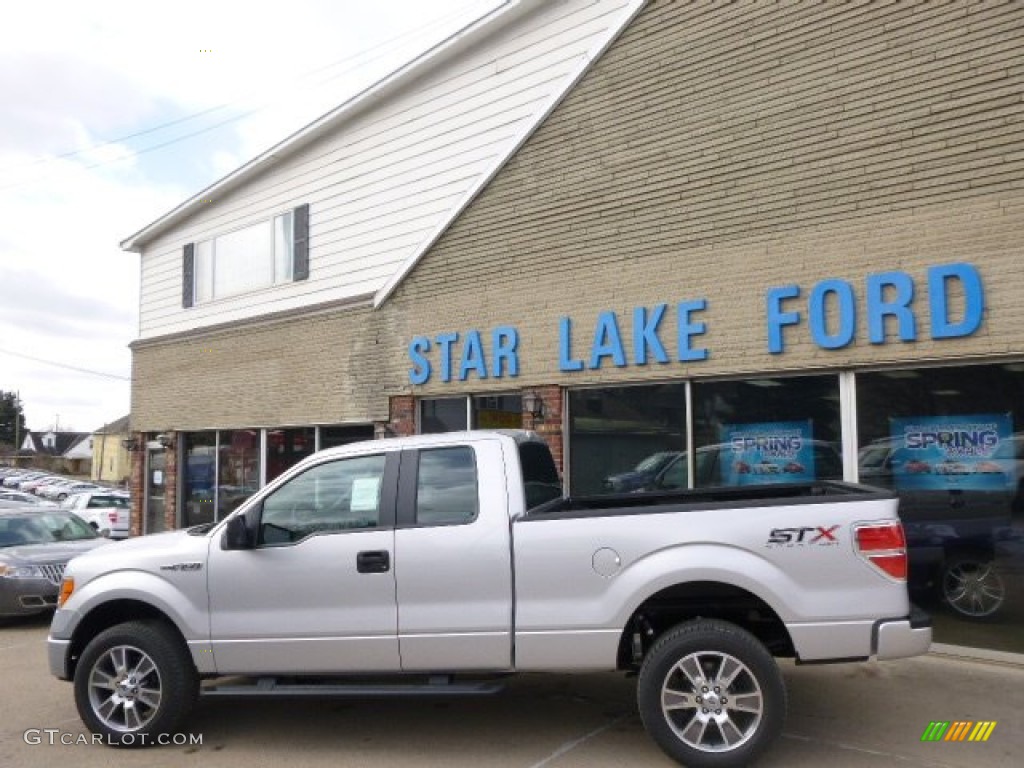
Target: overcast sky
[111, 114]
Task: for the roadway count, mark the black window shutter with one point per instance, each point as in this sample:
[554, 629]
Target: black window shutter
[188, 275]
[300, 255]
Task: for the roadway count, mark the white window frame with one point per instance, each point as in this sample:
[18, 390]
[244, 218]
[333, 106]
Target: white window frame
[279, 273]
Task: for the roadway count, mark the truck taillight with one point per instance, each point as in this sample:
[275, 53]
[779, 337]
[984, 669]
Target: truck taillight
[112, 516]
[884, 546]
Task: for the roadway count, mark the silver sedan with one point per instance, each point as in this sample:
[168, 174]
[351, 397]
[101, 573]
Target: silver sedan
[36, 544]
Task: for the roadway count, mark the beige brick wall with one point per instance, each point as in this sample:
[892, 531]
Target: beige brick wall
[712, 153]
[318, 369]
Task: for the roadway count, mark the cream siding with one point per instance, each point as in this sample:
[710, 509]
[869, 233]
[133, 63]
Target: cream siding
[381, 184]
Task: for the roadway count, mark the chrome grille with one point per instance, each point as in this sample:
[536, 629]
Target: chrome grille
[52, 573]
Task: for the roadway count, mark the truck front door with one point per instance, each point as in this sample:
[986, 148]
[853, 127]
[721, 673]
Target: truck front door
[316, 593]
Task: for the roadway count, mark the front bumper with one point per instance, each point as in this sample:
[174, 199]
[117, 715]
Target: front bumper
[24, 597]
[58, 643]
[57, 656]
[900, 638]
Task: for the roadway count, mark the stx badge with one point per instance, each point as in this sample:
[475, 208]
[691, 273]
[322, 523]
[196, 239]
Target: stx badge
[182, 567]
[808, 536]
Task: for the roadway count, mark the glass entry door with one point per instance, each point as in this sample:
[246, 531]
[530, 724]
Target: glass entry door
[156, 489]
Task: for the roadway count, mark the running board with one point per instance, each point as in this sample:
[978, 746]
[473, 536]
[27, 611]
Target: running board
[269, 686]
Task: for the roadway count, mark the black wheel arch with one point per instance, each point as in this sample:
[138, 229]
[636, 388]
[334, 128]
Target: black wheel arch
[110, 614]
[682, 602]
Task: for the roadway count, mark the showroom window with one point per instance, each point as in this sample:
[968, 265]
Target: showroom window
[625, 439]
[498, 412]
[238, 475]
[950, 443]
[455, 414]
[765, 431]
[287, 447]
[444, 414]
[199, 478]
[331, 437]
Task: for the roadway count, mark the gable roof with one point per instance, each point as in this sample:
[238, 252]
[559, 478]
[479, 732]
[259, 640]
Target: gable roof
[117, 427]
[63, 442]
[612, 34]
[426, 216]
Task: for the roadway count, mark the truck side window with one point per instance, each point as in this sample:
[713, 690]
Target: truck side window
[446, 492]
[337, 496]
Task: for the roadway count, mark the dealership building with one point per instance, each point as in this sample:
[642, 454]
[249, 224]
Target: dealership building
[691, 245]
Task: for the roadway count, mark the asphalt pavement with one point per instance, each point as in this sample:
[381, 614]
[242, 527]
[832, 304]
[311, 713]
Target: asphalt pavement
[854, 715]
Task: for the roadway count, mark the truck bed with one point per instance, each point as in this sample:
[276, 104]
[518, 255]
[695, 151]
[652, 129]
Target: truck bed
[664, 502]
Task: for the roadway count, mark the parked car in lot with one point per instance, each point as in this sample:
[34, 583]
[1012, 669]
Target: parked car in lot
[15, 480]
[643, 474]
[107, 512]
[23, 498]
[60, 491]
[36, 544]
[33, 486]
[668, 470]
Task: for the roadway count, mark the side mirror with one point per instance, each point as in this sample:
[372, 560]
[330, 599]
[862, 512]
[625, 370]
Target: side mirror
[236, 534]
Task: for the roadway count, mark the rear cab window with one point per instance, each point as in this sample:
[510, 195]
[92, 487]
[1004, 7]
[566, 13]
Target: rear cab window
[541, 483]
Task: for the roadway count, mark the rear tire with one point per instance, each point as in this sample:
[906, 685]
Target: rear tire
[135, 682]
[972, 587]
[711, 695]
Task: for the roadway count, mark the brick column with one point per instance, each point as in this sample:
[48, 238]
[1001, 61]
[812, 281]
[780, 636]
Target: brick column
[549, 426]
[138, 481]
[402, 421]
[171, 482]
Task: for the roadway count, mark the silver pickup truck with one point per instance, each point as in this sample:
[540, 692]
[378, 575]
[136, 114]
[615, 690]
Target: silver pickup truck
[438, 564]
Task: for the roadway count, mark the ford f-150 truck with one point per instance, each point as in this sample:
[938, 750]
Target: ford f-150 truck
[455, 559]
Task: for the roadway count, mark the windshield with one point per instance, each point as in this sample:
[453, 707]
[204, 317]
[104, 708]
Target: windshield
[109, 501]
[42, 529]
[654, 462]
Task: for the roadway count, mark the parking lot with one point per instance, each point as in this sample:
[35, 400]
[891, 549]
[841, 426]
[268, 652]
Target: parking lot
[851, 715]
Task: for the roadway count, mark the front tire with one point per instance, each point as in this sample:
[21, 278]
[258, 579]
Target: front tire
[135, 682]
[711, 695]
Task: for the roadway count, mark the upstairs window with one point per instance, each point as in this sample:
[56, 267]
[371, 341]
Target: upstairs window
[258, 256]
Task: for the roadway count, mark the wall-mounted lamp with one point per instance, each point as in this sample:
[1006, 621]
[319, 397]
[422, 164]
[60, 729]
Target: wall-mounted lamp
[533, 404]
[165, 439]
[131, 444]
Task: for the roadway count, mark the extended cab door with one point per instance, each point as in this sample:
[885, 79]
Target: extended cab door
[453, 559]
[316, 592]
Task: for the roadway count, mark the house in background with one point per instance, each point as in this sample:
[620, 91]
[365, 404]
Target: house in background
[67, 452]
[111, 461]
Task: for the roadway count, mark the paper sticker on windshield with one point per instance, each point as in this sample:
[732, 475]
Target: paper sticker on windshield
[365, 491]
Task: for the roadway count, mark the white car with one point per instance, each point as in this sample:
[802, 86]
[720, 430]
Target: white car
[105, 511]
[25, 498]
[60, 491]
